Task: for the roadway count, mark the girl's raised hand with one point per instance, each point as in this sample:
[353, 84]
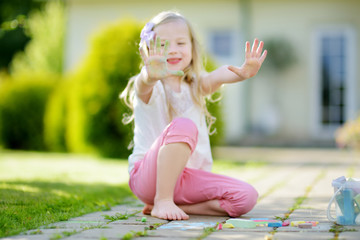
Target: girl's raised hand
[253, 60]
[156, 61]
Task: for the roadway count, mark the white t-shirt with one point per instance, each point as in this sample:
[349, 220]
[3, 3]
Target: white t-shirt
[151, 120]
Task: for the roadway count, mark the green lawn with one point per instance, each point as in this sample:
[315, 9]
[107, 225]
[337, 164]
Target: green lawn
[41, 188]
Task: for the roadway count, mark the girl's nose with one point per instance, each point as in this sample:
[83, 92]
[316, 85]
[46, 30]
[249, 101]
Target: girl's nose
[172, 49]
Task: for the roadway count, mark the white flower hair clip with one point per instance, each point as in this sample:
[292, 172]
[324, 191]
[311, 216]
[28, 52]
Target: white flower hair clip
[147, 34]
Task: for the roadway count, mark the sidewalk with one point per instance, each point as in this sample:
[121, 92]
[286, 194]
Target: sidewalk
[295, 183]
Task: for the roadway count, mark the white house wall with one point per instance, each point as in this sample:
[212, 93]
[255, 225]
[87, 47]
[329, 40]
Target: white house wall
[293, 92]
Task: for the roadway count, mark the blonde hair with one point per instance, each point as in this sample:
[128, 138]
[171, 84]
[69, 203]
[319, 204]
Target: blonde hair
[191, 73]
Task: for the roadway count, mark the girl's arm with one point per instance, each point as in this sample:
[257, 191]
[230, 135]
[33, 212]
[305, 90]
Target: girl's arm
[230, 74]
[144, 86]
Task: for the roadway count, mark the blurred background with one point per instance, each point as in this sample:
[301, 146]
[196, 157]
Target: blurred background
[64, 63]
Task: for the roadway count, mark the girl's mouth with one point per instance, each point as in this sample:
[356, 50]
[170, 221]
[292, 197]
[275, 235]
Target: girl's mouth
[173, 60]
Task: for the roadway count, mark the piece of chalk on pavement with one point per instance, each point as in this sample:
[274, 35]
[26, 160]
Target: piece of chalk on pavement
[227, 225]
[242, 223]
[296, 223]
[305, 225]
[275, 224]
[286, 223]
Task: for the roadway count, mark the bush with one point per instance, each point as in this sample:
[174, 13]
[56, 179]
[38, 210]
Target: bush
[22, 107]
[55, 118]
[95, 110]
[214, 107]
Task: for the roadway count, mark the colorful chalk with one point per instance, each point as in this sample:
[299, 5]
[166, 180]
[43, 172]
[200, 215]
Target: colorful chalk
[296, 223]
[305, 225]
[357, 201]
[349, 211]
[286, 223]
[357, 219]
[275, 224]
[227, 225]
[143, 219]
[241, 223]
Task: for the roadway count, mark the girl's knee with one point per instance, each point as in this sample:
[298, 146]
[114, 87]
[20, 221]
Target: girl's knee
[243, 202]
[182, 130]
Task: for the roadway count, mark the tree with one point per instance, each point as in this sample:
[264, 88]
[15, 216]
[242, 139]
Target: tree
[13, 18]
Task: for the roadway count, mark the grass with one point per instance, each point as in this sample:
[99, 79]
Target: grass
[37, 189]
[119, 216]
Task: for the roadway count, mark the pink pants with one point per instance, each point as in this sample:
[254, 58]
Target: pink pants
[193, 186]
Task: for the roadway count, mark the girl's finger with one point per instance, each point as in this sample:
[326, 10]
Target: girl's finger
[151, 50]
[158, 46]
[263, 56]
[247, 49]
[166, 48]
[254, 46]
[234, 69]
[143, 54]
[178, 73]
[260, 48]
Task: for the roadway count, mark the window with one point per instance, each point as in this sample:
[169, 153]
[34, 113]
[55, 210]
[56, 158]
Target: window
[333, 64]
[333, 79]
[221, 43]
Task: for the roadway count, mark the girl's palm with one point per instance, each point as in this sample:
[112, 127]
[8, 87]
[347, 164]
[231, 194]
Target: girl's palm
[156, 62]
[253, 60]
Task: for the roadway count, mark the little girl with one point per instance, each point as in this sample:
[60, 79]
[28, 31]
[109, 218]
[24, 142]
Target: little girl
[171, 160]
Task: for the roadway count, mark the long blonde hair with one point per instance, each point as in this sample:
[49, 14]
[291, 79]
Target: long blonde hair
[191, 73]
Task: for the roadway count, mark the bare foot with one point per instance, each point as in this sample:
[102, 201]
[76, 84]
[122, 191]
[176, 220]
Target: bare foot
[147, 209]
[167, 209]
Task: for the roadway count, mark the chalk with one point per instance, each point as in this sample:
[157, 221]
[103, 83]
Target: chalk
[241, 223]
[357, 219]
[296, 223]
[264, 221]
[227, 225]
[219, 226]
[275, 224]
[286, 223]
[357, 201]
[305, 225]
[340, 202]
[314, 223]
[143, 219]
[349, 211]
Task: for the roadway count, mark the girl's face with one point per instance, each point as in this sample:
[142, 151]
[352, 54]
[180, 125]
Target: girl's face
[180, 47]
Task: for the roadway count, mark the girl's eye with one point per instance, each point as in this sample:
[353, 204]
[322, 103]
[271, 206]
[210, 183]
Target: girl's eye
[181, 43]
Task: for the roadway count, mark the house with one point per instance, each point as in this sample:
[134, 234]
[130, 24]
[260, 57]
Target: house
[298, 101]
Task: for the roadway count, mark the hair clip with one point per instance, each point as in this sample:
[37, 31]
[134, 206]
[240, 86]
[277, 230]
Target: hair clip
[147, 33]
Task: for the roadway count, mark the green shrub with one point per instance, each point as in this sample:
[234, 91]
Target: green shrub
[214, 107]
[22, 106]
[55, 118]
[95, 111]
